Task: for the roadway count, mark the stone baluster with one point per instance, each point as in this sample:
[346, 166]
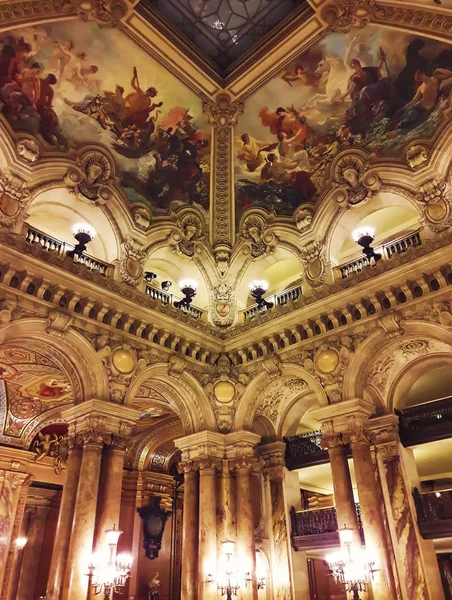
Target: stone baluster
[342, 484]
[82, 534]
[207, 564]
[64, 525]
[189, 576]
[371, 502]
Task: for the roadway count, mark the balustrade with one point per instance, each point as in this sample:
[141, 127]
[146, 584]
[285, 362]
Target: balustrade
[304, 450]
[279, 299]
[426, 422]
[165, 298]
[434, 513]
[51, 244]
[387, 251]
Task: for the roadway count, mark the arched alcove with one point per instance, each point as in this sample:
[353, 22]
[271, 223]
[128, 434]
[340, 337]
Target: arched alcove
[56, 211]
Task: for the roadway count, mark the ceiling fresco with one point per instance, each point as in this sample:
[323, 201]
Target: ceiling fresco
[75, 83]
[34, 385]
[373, 89]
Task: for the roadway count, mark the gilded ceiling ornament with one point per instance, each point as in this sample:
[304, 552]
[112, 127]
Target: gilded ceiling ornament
[106, 14]
[190, 231]
[132, 261]
[120, 362]
[224, 308]
[254, 231]
[142, 216]
[435, 205]
[223, 115]
[416, 156]
[313, 258]
[303, 218]
[358, 13]
[14, 195]
[91, 177]
[354, 185]
[28, 149]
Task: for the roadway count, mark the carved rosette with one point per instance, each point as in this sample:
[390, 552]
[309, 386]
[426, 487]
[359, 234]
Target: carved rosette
[132, 261]
[314, 262]
[14, 195]
[223, 116]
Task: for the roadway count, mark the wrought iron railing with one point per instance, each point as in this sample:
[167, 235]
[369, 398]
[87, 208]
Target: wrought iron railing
[166, 298]
[279, 299]
[434, 513]
[304, 450]
[386, 250]
[318, 522]
[426, 422]
[51, 244]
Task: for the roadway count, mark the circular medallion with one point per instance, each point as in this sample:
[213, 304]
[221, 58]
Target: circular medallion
[25, 408]
[437, 210]
[223, 308]
[133, 267]
[314, 269]
[123, 360]
[327, 361]
[224, 391]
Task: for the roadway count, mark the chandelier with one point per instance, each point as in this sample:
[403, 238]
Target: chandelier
[352, 568]
[109, 574]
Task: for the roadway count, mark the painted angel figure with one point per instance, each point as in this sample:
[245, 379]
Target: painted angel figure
[45, 446]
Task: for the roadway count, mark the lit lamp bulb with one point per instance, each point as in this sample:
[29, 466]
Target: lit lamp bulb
[188, 287]
[21, 542]
[258, 288]
[84, 234]
[364, 236]
[113, 536]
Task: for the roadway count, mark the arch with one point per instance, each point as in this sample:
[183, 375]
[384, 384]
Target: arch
[407, 376]
[76, 355]
[249, 403]
[377, 352]
[184, 394]
[158, 435]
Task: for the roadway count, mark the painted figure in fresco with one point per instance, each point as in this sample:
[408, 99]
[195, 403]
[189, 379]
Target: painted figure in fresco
[350, 92]
[138, 104]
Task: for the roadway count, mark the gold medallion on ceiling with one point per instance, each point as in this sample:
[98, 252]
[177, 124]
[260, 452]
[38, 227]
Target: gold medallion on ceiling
[123, 360]
[327, 361]
[224, 391]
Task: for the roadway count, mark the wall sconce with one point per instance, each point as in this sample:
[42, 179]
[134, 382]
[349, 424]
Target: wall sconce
[84, 234]
[111, 575]
[188, 288]
[149, 276]
[258, 288]
[364, 236]
[353, 570]
[20, 543]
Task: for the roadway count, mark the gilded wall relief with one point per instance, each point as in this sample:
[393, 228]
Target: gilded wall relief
[375, 89]
[34, 384]
[74, 83]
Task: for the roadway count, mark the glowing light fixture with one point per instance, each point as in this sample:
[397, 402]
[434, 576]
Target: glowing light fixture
[364, 236]
[84, 234]
[188, 287]
[109, 576]
[258, 288]
[21, 542]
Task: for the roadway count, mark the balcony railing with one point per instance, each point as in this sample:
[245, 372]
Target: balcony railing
[166, 298]
[317, 528]
[426, 422]
[51, 244]
[434, 513]
[279, 299]
[387, 250]
[305, 450]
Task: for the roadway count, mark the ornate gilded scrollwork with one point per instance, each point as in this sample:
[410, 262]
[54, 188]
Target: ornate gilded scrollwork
[14, 195]
[254, 231]
[435, 204]
[189, 232]
[314, 262]
[91, 177]
[354, 184]
[223, 307]
[132, 260]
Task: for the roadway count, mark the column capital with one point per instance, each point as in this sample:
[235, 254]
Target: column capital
[249, 463]
[105, 417]
[343, 417]
[330, 441]
[385, 434]
[274, 454]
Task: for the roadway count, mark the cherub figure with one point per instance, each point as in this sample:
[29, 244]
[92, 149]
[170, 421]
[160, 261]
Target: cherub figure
[154, 587]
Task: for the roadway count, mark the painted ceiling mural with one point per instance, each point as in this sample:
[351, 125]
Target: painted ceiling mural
[74, 83]
[374, 89]
[34, 384]
[153, 404]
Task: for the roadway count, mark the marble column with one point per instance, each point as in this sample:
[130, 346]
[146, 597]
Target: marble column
[64, 525]
[227, 526]
[11, 483]
[32, 553]
[246, 551]
[342, 485]
[109, 504]
[189, 576]
[371, 503]
[207, 556]
[82, 534]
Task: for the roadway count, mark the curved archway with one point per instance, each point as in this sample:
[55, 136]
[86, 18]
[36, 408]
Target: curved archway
[274, 398]
[184, 396]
